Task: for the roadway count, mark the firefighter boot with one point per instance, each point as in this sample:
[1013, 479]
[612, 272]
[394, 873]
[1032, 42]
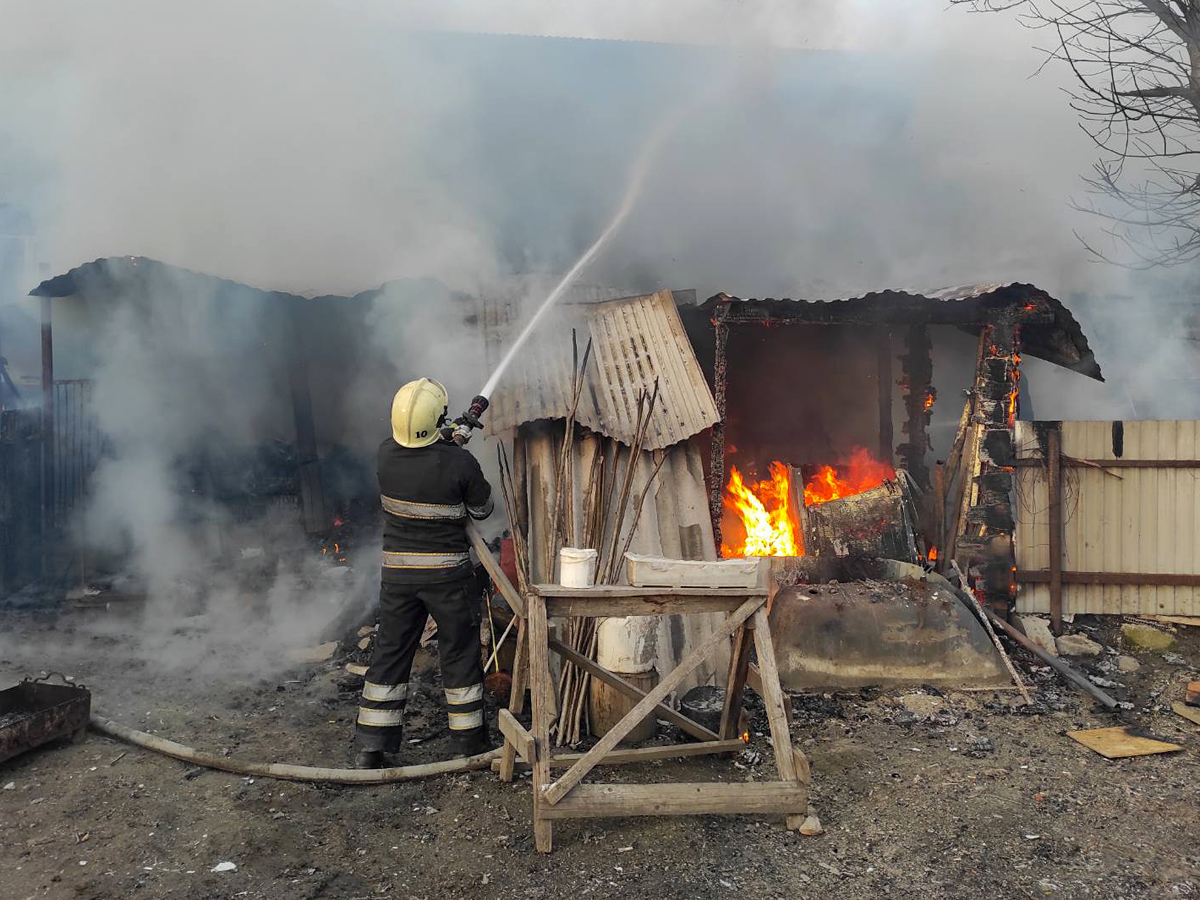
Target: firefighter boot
[471, 742]
[370, 759]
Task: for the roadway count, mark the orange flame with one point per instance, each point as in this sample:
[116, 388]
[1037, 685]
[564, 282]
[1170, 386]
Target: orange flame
[929, 400]
[1012, 397]
[860, 473]
[764, 508]
[933, 554]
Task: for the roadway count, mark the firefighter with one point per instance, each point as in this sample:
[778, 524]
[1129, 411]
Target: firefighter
[429, 486]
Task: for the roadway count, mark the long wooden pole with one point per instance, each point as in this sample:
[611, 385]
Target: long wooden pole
[1054, 480]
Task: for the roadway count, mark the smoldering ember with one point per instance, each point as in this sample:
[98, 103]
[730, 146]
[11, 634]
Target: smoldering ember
[714, 450]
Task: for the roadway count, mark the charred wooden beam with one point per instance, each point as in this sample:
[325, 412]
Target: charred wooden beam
[985, 543]
[917, 364]
[883, 370]
[312, 496]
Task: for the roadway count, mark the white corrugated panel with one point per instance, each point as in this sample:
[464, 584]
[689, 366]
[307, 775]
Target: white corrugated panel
[1127, 519]
[635, 342]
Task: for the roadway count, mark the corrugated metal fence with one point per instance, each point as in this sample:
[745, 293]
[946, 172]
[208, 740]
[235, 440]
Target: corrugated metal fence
[1127, 535]
[76, 445]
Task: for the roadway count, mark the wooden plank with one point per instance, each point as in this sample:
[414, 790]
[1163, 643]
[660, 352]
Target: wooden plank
[735, 684]
[515, 733]
[646, 705]
[1125, 578]
[1055, 530]
[643, 754]
[539, 679]
[1182, 709]
[620, 684]
[640, 606]
[1120, 742]
[490, 563]
[516, 696]
[619, 591]
[716, 798]
[1177, 620]
[775, 702]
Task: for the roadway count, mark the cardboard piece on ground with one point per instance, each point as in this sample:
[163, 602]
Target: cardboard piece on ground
[1192, 715]
[364, 643]
[319, 653]
[356, 669]
[1118, 743]
[365, 630]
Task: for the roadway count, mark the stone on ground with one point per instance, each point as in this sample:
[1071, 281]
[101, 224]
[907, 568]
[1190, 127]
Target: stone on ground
[1146, 637]
[1127, 664]
[1078, 645]
[1038, 631]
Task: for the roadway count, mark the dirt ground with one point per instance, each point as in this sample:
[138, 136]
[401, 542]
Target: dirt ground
[921, 795]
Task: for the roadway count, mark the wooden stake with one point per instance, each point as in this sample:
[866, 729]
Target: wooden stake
[1054, 480]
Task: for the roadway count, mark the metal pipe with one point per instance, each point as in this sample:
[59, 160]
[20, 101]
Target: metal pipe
[1053, 662]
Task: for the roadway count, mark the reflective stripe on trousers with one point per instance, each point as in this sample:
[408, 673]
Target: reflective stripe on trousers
[464, 707]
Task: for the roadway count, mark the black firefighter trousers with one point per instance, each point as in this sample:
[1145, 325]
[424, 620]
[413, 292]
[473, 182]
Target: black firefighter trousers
[402, 612]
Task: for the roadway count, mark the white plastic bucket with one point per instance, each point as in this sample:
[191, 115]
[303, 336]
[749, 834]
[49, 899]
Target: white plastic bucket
[577, 567]
[626, 644]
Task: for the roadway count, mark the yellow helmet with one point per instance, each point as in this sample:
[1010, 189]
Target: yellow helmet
[417, 410]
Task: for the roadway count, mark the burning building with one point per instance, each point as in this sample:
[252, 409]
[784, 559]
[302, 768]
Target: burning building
[809, 394]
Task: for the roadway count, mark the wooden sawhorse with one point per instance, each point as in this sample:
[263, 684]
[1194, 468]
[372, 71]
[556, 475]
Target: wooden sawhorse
[567, 798]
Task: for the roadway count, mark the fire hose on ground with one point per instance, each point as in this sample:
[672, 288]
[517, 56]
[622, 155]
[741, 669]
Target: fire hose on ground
[287, 771]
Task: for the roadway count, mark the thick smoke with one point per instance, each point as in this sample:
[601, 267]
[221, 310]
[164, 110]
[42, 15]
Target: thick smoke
[322, 148]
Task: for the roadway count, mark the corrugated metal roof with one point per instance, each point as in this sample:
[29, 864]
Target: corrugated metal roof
[635, 340]
[1060, 341]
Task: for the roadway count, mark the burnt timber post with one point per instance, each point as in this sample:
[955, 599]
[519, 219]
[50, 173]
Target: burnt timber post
[312, 497]
[987, 542]
[716, 469]
[1054, 490]
[883, 371]
[47, 434]
[918, 401]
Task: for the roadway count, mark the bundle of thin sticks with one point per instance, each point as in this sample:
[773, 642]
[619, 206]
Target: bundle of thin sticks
[606, 498]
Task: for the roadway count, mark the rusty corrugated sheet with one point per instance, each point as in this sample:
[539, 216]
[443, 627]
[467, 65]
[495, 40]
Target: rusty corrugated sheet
[636, 341]
[1061, 341]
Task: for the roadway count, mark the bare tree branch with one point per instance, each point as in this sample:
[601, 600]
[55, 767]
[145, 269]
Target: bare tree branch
[1136, 65]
